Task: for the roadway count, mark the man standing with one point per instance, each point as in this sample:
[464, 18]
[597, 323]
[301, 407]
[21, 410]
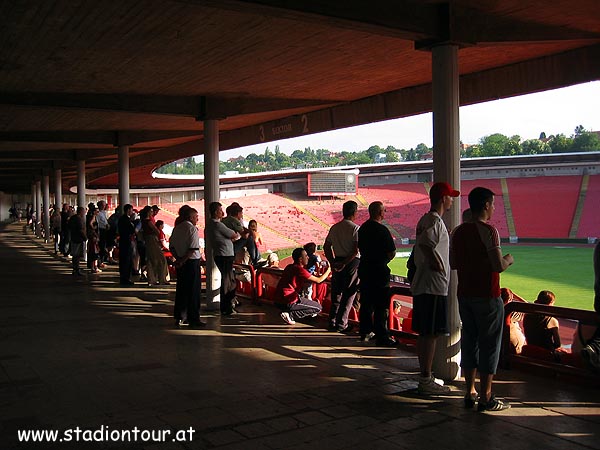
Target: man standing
[222, 239]
[78, 234]
[233, 221]
[65, 238]
[185, 247]
[103, 227]
[476, 254]
[430, 284]
[377, 249]
[126, 242]
[341, 249]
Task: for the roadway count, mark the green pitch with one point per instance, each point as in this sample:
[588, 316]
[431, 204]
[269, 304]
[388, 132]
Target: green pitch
[566, 271]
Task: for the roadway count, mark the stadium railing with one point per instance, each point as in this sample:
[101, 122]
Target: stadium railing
[543, 360]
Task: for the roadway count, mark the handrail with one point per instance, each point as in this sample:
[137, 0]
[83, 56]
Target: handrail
[584, 317]
[259, 274]
[399, 286]
[400, 289]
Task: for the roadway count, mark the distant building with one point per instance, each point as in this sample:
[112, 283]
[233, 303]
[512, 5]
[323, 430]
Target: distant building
[380, 158]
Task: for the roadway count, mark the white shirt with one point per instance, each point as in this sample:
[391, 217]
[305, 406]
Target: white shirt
[185, 237]
[102, 220]
[431, 232]
[343, 237]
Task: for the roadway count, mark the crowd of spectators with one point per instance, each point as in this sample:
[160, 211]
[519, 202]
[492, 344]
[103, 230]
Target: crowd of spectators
[357, 259]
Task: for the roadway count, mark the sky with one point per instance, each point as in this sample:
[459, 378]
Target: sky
[553, 112]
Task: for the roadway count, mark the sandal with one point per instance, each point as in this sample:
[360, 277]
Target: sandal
[493, 404]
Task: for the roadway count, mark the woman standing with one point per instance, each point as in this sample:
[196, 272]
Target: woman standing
[156, 264]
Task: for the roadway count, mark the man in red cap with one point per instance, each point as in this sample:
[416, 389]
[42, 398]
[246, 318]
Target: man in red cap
[430, 283]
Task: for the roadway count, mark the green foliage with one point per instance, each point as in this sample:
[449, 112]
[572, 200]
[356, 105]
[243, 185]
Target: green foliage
[560, 143]
[534, 147]
[494, 145]
[586, 142]
[187, 166]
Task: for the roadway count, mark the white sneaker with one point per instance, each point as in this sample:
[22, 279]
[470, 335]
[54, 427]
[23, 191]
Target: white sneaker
[287, 318]
[430, 386]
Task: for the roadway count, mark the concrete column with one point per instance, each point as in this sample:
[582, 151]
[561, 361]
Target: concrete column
[38, 208]
[81, 183]
[46, 204]
[58, 188]
[123, 174]
[446, 167]
[211, 194]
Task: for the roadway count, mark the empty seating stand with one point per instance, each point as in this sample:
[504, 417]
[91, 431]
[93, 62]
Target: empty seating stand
[589, 225]
[536, 202]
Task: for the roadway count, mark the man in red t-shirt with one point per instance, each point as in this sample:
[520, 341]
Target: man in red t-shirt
[293, 279]
[476, 255]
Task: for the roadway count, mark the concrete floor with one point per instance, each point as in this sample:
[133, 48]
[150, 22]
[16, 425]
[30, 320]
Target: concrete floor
[87, 353]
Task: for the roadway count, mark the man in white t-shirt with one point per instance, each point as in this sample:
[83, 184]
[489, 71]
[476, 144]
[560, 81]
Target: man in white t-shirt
[430, 284]
[341, 249]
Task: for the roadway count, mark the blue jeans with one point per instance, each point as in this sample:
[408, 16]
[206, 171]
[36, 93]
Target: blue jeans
[481, 335]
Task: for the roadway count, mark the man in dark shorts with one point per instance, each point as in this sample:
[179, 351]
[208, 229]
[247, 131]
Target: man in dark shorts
[476, 255]
[430, 284]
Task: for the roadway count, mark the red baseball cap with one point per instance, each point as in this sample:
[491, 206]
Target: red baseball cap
[440, 189]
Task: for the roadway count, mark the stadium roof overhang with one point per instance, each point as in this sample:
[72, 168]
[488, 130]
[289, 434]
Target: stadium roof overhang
[79, 79]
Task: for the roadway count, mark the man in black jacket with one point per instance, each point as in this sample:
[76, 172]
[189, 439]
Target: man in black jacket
[126, 243]
[78, 237]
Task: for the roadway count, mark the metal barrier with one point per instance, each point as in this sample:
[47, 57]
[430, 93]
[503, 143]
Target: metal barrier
[400, 287]
[584, 317]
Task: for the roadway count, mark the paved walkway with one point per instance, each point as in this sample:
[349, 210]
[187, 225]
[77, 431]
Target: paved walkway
[87, 353]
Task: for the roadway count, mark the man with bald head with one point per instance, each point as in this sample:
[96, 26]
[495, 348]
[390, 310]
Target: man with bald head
[377, 249]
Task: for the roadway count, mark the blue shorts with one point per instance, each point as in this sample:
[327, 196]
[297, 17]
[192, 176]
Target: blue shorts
[481, 334]
[430, 314]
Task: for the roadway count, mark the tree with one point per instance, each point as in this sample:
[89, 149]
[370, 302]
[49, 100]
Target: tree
[391, 156]
[513, 146]
[373, 151]
[421, 150]
[585, 141]
[297, 154]
[493, 145]
[542, 136]
[411, 155]
[534, 147]
[560, 143]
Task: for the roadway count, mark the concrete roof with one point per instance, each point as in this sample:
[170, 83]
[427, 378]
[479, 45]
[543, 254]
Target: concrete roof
[78, 79]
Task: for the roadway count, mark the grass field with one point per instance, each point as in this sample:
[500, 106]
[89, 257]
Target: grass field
[566, 271]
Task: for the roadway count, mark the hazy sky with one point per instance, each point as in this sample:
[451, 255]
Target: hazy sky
[557, 111]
